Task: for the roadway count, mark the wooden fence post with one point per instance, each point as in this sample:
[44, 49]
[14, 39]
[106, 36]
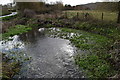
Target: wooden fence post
[65, 14]
[77, 15]
[102, 16]
[86, 16]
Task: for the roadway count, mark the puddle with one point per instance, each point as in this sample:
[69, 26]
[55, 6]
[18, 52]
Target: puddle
[52, 56]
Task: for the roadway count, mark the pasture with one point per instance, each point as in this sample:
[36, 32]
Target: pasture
[107, 16]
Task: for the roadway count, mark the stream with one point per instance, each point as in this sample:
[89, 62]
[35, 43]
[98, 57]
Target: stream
[12, 14]
[51, 56]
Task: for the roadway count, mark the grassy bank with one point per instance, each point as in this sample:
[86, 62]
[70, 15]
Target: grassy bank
[5, 12]
[97, 40]
[8, 17]
[18, 29]
[106, 29]
[110, 30]
[94, 62]
[11, 64]
[10, 69]
[94, 66]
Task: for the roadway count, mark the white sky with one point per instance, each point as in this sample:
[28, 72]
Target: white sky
[72, 2]
[75, 2]
[4, 1]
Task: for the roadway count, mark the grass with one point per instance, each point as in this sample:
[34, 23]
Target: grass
[97, 38]
[87, 41]
[10, 69]
[94, 67]
[8, 17]
[11, 63]
[5, 12]
[108, 16]
[94, 62]
[108, 30]
[18, 29]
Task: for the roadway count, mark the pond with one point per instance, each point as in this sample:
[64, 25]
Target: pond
[51, 55]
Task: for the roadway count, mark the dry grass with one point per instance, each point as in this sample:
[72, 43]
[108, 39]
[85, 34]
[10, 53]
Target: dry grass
[108, 16]
[7, 25]
[50, 16]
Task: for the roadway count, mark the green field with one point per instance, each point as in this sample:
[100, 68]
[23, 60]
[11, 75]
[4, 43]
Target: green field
[107, 16]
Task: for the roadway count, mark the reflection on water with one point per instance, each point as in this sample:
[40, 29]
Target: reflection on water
[12, 44]
[14, 50]
[12, 14]
[51, 57]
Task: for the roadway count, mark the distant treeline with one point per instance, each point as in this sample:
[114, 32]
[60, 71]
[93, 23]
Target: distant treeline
[104, 6]
[40, 7]
[43, 7]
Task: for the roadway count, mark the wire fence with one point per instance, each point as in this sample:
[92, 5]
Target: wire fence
[90, 15]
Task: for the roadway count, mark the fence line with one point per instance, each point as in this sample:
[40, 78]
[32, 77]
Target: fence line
[91, 16]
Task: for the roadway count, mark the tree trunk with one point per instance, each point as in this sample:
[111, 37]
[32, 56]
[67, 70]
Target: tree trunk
[118, 21]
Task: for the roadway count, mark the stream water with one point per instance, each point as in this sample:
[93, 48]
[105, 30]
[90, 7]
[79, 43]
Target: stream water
[52, 57]
[12, 14]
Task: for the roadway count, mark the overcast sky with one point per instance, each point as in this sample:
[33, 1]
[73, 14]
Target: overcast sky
[72, 2]
[75, 2]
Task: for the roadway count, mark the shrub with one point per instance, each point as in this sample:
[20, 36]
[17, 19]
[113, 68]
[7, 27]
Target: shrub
[28, 13]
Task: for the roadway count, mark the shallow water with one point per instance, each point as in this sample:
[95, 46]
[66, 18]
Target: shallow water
[12, 14]
[52, 57]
